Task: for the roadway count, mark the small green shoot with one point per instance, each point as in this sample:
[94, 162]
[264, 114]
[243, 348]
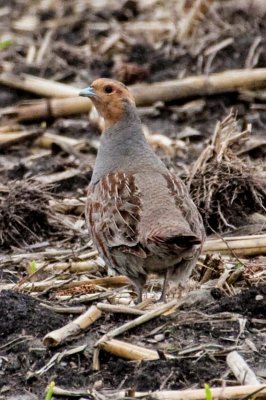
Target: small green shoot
[5, 43]
[238, 264]
[49, 391]
[208, 393]
[32, 267]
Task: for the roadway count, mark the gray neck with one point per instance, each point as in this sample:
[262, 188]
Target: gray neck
[123, 146]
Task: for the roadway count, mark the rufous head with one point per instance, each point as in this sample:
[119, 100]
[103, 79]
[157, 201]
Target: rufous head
[110, 98]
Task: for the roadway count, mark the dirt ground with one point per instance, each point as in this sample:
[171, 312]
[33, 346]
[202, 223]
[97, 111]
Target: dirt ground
[105, 39]
[208, 331]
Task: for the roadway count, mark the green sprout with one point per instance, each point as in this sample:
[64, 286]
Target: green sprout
[49, 391]
[238, 264]
[32, 267]
[208, 393]
[5, 43]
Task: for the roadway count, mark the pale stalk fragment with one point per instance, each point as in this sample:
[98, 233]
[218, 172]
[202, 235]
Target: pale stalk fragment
[58, 336]
[138, 321]
[241, 369]
[148, 94]
[130, 351]
[221, 393]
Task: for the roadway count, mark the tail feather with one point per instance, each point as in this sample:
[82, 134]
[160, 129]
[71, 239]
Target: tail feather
[183, 240]
[171, 237]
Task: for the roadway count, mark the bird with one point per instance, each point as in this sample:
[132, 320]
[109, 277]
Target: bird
[140, 215]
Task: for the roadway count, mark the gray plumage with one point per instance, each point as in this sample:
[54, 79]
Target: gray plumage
[140, 216]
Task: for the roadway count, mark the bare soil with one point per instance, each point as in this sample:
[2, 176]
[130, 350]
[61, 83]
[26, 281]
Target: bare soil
[24, 322]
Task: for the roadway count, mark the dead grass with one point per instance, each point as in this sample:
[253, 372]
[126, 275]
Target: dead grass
[24, 211]
[225, 187]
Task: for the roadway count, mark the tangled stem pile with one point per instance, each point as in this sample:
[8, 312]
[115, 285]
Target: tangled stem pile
[226, 188]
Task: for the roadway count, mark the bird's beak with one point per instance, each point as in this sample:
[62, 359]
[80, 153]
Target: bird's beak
[87, 92]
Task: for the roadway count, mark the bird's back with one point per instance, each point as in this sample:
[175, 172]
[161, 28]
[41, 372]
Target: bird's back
[170, 225]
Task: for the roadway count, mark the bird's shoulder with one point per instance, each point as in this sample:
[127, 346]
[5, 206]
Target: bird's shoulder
[116, 187]
[185, 204]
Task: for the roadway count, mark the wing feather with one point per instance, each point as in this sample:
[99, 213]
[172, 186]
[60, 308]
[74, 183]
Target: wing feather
[113, 213]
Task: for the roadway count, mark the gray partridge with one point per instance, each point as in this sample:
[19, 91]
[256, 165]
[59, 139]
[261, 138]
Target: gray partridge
[140, 216]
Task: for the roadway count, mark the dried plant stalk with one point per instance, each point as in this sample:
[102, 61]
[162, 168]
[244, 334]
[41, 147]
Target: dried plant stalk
[194, 13]
[41, 86]
[221, 393]
[40, 109]
[138, 321]
[148, 94]
[225, 188]
[9, 139]
[238, 245]
[240, 369]
[56, 337]
[49, 138]
[203, 85]
[114, 308]
[112, 281]
[74, 267]
[130, 351]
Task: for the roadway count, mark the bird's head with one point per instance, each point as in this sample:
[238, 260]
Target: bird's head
[111, 98]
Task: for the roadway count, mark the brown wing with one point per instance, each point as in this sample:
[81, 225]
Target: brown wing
[113, 214]
[185, 204]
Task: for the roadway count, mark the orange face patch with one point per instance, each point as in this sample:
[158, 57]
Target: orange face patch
[110, 99]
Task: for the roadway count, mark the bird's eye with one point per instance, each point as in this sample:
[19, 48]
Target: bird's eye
[108, 89]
